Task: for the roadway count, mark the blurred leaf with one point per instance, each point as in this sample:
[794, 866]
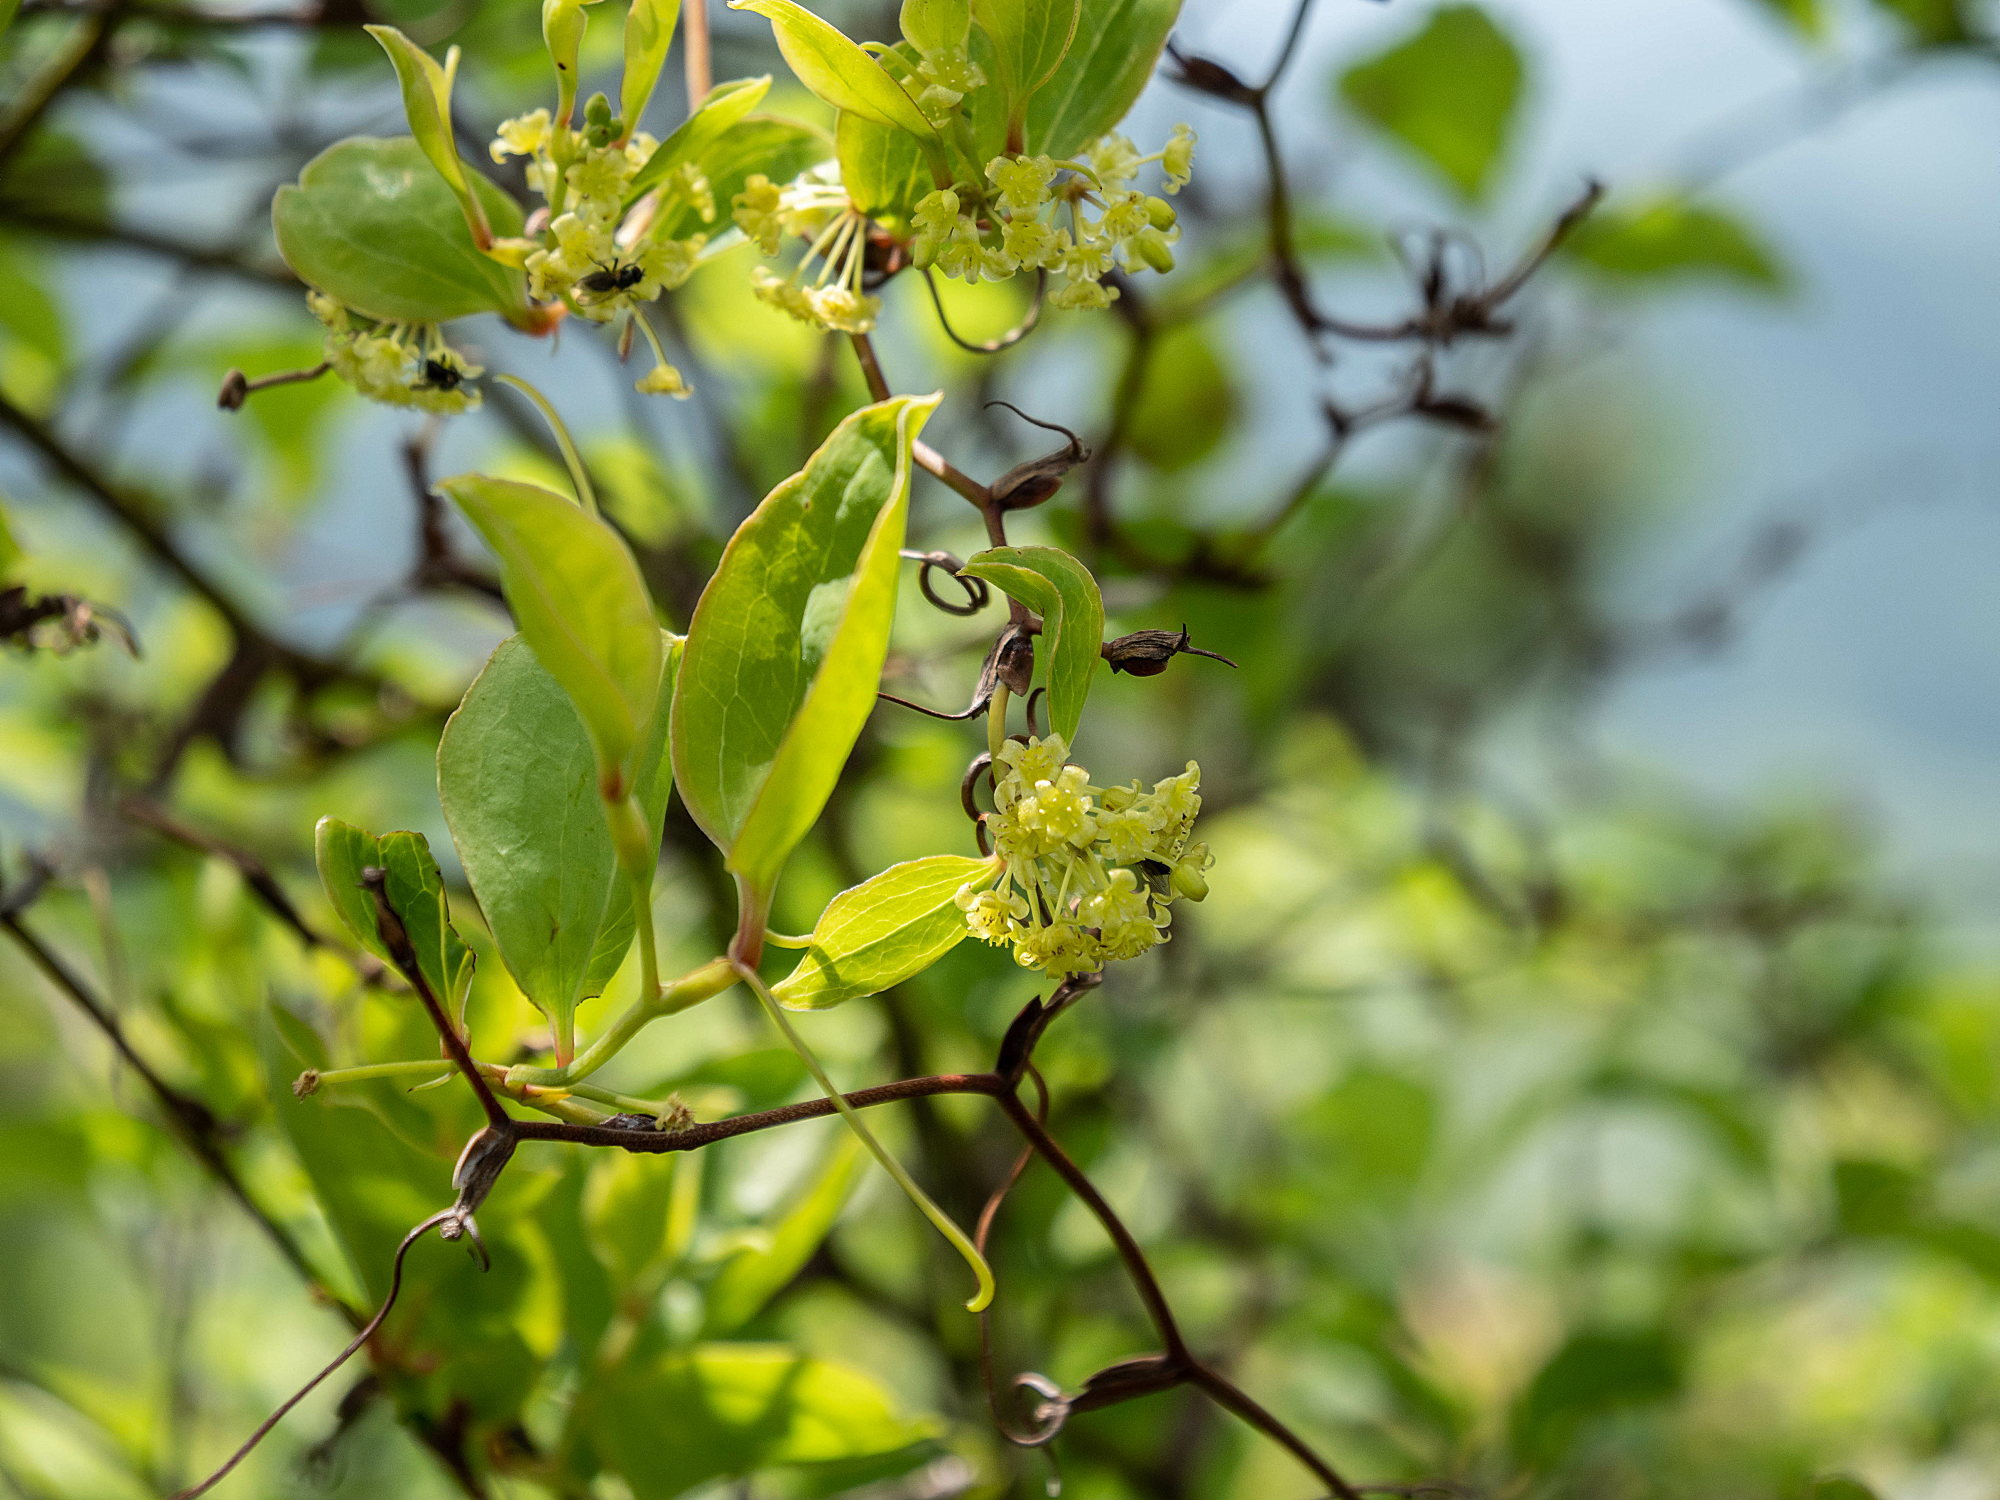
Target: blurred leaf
[1839, 1487]
[373, 226]
[582, 606]
[787, 643]
[415, 892]
[290, 421]
[1876, 1197]
[52, 172]
[28, 312]
[1188, 402]
[829, 63]
[1669, 238]
[881, 932]
[1806, 17]
[625, 1207]
[1449, 93]
[720, 112]
[1933, 23]
[757, 1272]
[1060, 589]
[517, 779]
[10, 550]
[1117, 45]
[649, 29]
[737, 1409]
[1595, 1373]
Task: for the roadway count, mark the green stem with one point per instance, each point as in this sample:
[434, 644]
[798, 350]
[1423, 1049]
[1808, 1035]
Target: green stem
[940, 1220]
[630, 1103]
[996, 726]
[693, 987]
[585, 495]
[367, 1072]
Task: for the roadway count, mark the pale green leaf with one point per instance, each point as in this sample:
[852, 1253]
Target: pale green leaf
[882, 168]
[829, 63]
[758, 1271]
[414, 890]
[787, 643]
[371, 225]
[1449, 93]
[779, 149]
[1060, 589]
[582, 606]
[936, 25]
[649, 28]
[726, 104]
[882, 932]
[518, 782]
[426, 87]
[735, 1409]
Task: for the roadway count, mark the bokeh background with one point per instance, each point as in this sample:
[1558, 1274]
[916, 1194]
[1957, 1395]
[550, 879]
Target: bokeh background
[1582, 1080]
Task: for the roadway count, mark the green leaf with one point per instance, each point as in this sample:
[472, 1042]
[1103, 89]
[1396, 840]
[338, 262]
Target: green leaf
[1030, 40]
[758, 1271]
[1117, 45]
[838, 71]
[577, 595]
[735, 1409]
[1187, 403]
[726, 104]
[626, 1205]
[415, 892]
[1933, 23]
[1671, 238]
[28, 313]
[1839, 1487]
[427, 104]
[882, 168]
[1448, 93]
[935, 25]
[649, 28]
[1804, 16]
[1595, 1373]
[780, 149]
[10, 550]
[517, 778]
[1060, 589]
[787, 643]
[881, 932]
[371, 225]
[563, 26]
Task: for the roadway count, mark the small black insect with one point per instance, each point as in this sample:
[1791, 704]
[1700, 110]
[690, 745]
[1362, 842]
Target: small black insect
[612, 278]
[632, 1122]
[439, 376]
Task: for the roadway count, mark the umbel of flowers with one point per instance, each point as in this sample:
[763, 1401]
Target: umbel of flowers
[1088, 873]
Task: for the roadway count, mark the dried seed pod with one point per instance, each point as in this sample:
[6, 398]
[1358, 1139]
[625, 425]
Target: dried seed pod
[1145, 653]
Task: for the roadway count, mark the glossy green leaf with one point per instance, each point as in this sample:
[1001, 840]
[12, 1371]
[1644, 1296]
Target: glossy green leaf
[758, 1271]
[1670, 238]
[882, 168]
[829, 63]
[415, 892]
[726, 104]
[577, 595]
[787, 643]
[1449, 94]
[371, 225]
[779, 149]
[426, 90]
[735, 1409]
[882, 932]
[1118, 44]
[1030, 40]
[935, 25]
[649, 28]
[1060, 589]
[517, 778]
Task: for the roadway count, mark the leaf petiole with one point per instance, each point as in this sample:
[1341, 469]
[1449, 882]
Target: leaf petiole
[586, 496]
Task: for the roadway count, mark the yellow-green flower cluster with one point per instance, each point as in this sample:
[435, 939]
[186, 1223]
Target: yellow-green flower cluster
[395, 363]
[1077, 220]
[588, 251]
[1088, 872]
[818, 212]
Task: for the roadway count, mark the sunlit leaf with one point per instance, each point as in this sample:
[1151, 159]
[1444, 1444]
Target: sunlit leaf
[829, 63]
[758, 1271]
[1449, 93]
[1670, 238]
[1060, 589]
[577, 595]
[735, 1409]
[787, 643]
[649, 28]
[725, 106]
[1117, 45]
[371, 225]
[517, 778]
[1030, 39]
[426, 87]
[779, 149]
[415, 892]
[882, 931]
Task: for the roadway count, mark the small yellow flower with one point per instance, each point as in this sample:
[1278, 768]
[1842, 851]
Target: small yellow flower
[1022, 181]
[1177, 160]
